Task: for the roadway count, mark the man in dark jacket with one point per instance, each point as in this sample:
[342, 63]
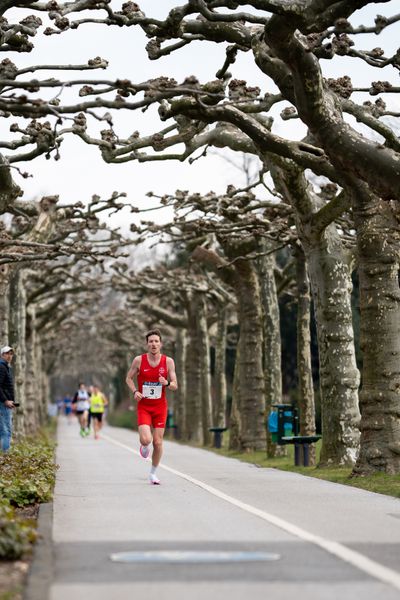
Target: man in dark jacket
[6, 397]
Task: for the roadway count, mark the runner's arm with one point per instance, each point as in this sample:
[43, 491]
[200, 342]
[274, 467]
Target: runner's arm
[173, 383]
[132, 375]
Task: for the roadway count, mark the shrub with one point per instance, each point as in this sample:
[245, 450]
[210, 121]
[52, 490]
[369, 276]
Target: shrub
[27, 472]
[16, 534]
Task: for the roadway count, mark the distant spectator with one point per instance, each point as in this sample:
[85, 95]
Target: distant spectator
[7, 398]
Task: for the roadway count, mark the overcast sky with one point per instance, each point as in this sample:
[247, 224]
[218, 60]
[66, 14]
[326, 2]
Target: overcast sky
[81, 171]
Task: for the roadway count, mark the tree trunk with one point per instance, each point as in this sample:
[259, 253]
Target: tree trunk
[193, 377]
[339, 376]
[305, 381]
[378, 253]
[251, 374]
[17, 339]
[243, 279]
[204, 359]
[272, 336]
[220, 389]
[235, 436]
[331, 289]
[4, 304]
[179, 399]
[33, 376]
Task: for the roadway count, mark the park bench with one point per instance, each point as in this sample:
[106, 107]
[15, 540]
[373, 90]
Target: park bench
[301, 447]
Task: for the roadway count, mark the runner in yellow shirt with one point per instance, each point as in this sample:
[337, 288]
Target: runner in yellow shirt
[98, 402]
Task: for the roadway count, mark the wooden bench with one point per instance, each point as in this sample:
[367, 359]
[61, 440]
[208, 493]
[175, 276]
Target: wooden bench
[301, 447]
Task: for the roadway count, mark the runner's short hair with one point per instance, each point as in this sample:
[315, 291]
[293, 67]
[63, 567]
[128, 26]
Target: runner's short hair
[153, 332]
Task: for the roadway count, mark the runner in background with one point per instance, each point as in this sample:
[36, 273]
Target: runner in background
[98, 402]
[82, 404]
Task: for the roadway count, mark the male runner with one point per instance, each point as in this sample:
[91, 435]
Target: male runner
[154, 373]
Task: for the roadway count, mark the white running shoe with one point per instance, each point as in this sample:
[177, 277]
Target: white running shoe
[144, 451]
[153, 479]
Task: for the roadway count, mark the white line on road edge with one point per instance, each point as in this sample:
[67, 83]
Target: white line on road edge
[352, 557]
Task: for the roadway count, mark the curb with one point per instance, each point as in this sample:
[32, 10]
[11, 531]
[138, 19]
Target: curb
[40, 575]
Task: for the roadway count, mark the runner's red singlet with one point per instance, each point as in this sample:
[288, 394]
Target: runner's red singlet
[152, 409]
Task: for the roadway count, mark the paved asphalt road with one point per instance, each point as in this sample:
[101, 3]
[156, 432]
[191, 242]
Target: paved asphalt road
[215, 528]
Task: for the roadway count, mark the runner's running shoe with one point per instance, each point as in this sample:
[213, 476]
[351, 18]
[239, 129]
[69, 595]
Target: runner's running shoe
[144, 451]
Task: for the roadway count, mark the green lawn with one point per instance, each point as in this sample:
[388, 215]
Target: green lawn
[379, 482]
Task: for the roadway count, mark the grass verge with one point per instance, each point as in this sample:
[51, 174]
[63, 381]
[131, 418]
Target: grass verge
[380, 483]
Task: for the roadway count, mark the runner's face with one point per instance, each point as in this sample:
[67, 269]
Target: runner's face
[154, 344]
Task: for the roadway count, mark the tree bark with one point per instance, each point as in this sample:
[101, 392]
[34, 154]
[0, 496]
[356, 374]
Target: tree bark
[243, 278]
[193, 376]
[378, 254]
[17, 339]
[220, 388]
[33, 376]
[4, 304]
[179, 400]
[331, 288]
[204, 359]
[272, 335]
[235, 435]
[304, 369]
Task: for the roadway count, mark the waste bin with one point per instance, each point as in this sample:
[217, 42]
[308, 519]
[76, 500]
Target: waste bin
[283, 421]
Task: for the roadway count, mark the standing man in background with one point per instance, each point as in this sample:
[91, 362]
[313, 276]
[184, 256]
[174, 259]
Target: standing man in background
[154, 372]
[6, 397]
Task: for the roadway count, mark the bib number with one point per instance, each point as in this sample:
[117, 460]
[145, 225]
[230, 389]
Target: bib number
[152, 390]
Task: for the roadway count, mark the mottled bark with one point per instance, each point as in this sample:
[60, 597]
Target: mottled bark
[331, 289]
[306, 403]
[33, 375]
[17, 339]
[244, 281]
[193, 377]
[339, 376]
[204, 360]
[251, 374]
[42, 385]
[378, 256]
[179, 399]
[272, 334]
[4, 304]
[220, 388]
[234, 423]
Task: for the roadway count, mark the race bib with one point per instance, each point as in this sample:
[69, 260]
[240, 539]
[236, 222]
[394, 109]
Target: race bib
[151, 390]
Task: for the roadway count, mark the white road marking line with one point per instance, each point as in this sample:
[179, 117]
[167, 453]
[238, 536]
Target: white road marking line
[372, 568]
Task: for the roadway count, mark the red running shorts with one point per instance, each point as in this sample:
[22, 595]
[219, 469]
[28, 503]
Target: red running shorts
[152, 413]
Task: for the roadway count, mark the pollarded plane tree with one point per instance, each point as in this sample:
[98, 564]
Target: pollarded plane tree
[39, 233]
[296, 37]
[83, 324]
[288, 42]
[315, 209]
[188, 127]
